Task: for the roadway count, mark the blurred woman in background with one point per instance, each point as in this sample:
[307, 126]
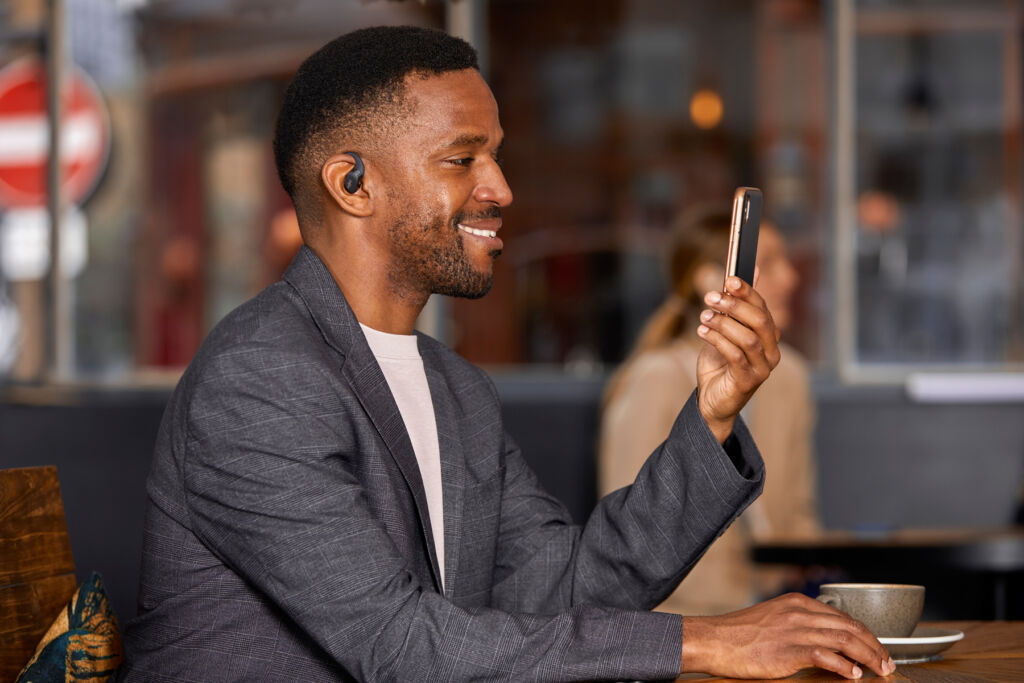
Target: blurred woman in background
[644, 396]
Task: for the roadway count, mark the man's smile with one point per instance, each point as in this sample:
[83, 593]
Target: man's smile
[484, 225]
[479, 232]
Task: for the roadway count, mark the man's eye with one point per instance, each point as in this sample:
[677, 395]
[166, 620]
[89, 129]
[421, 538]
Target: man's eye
[464, 161]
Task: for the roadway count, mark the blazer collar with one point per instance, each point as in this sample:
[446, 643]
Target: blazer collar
[338, 324]
[327, 305]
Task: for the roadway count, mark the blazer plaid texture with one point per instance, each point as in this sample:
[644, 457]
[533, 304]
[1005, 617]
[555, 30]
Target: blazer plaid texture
[287, 534]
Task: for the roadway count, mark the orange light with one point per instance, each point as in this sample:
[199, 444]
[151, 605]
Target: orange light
[706, 109]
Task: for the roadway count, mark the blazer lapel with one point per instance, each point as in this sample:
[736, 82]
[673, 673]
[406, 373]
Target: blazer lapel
[453, 467]
[367, 380]
[327, 305]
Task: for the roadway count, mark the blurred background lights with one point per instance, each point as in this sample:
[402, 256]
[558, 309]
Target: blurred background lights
[706, 108]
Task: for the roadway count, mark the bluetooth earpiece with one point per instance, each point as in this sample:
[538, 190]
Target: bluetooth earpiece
[354, 178]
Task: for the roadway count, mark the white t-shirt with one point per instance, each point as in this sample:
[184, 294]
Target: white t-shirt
[399, 358]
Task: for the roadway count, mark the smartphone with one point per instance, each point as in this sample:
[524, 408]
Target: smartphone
[746, 222]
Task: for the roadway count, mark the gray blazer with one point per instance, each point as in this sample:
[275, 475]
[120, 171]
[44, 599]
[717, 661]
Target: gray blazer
[287, 534]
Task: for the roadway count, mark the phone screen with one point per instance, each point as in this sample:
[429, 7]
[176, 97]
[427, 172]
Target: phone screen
[746, 222]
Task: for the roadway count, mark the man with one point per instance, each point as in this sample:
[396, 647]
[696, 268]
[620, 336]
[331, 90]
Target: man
[334, 498]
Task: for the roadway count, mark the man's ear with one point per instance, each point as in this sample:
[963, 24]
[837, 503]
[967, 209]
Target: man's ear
[358, 202]
[709, 277]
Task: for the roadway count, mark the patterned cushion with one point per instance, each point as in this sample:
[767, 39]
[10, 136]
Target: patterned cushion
[83, 644]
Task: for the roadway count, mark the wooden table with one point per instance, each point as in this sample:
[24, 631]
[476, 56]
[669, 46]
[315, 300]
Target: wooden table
[989, 651]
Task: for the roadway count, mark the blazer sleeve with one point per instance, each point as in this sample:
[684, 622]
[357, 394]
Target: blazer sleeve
[641, 540]
[269, 492]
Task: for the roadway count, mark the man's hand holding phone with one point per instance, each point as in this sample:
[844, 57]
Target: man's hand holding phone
[742, 341]
[741, 351]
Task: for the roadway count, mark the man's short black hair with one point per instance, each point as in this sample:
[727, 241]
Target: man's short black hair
[349, 85]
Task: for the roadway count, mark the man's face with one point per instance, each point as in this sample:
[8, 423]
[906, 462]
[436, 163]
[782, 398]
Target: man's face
[445, 189]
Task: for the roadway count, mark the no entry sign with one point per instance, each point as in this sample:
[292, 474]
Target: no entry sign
[24, 136]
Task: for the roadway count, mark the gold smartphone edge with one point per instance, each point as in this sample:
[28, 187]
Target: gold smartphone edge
[734, 232]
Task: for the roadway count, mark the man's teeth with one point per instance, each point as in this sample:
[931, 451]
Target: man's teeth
[478, 233]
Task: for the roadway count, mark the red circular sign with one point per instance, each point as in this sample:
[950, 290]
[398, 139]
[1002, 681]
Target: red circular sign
[24, 136]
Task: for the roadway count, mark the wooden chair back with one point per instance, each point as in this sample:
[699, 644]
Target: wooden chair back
[37, 571]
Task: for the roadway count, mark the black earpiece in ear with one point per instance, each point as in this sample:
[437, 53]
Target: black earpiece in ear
[354, 178]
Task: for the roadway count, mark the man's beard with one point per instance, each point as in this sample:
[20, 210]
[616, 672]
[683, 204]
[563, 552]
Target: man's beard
[431, 257]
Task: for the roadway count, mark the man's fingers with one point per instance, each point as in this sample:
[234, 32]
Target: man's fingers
[854, 646]
[754, 356]
[741, 289]
[741, 369]
[827, 659]
[757, 318]
[751, 311]
[832, 628]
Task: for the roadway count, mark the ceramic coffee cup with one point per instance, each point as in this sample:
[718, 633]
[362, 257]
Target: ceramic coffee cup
[889, 610]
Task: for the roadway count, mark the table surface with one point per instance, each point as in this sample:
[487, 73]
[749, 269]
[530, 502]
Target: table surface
[989, 651]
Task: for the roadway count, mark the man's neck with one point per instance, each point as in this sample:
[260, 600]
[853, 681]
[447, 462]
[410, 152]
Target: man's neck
[368, 292]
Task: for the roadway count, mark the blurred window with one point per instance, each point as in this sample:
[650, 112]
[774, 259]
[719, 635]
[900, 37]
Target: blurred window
[619, 116]
[899, 197]
[189, 219]
[929, 173]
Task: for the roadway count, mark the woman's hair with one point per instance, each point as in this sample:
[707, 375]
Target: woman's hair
[698, 237]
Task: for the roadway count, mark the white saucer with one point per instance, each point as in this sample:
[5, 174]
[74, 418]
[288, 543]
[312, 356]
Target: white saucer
[923, 645]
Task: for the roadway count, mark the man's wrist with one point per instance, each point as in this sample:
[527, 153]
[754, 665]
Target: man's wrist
[721, 428]
[695, 657]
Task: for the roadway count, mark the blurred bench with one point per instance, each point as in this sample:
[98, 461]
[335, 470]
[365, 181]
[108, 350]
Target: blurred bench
[101, 443]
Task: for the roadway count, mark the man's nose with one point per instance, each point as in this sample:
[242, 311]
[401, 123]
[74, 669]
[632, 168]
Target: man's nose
[493, 188]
